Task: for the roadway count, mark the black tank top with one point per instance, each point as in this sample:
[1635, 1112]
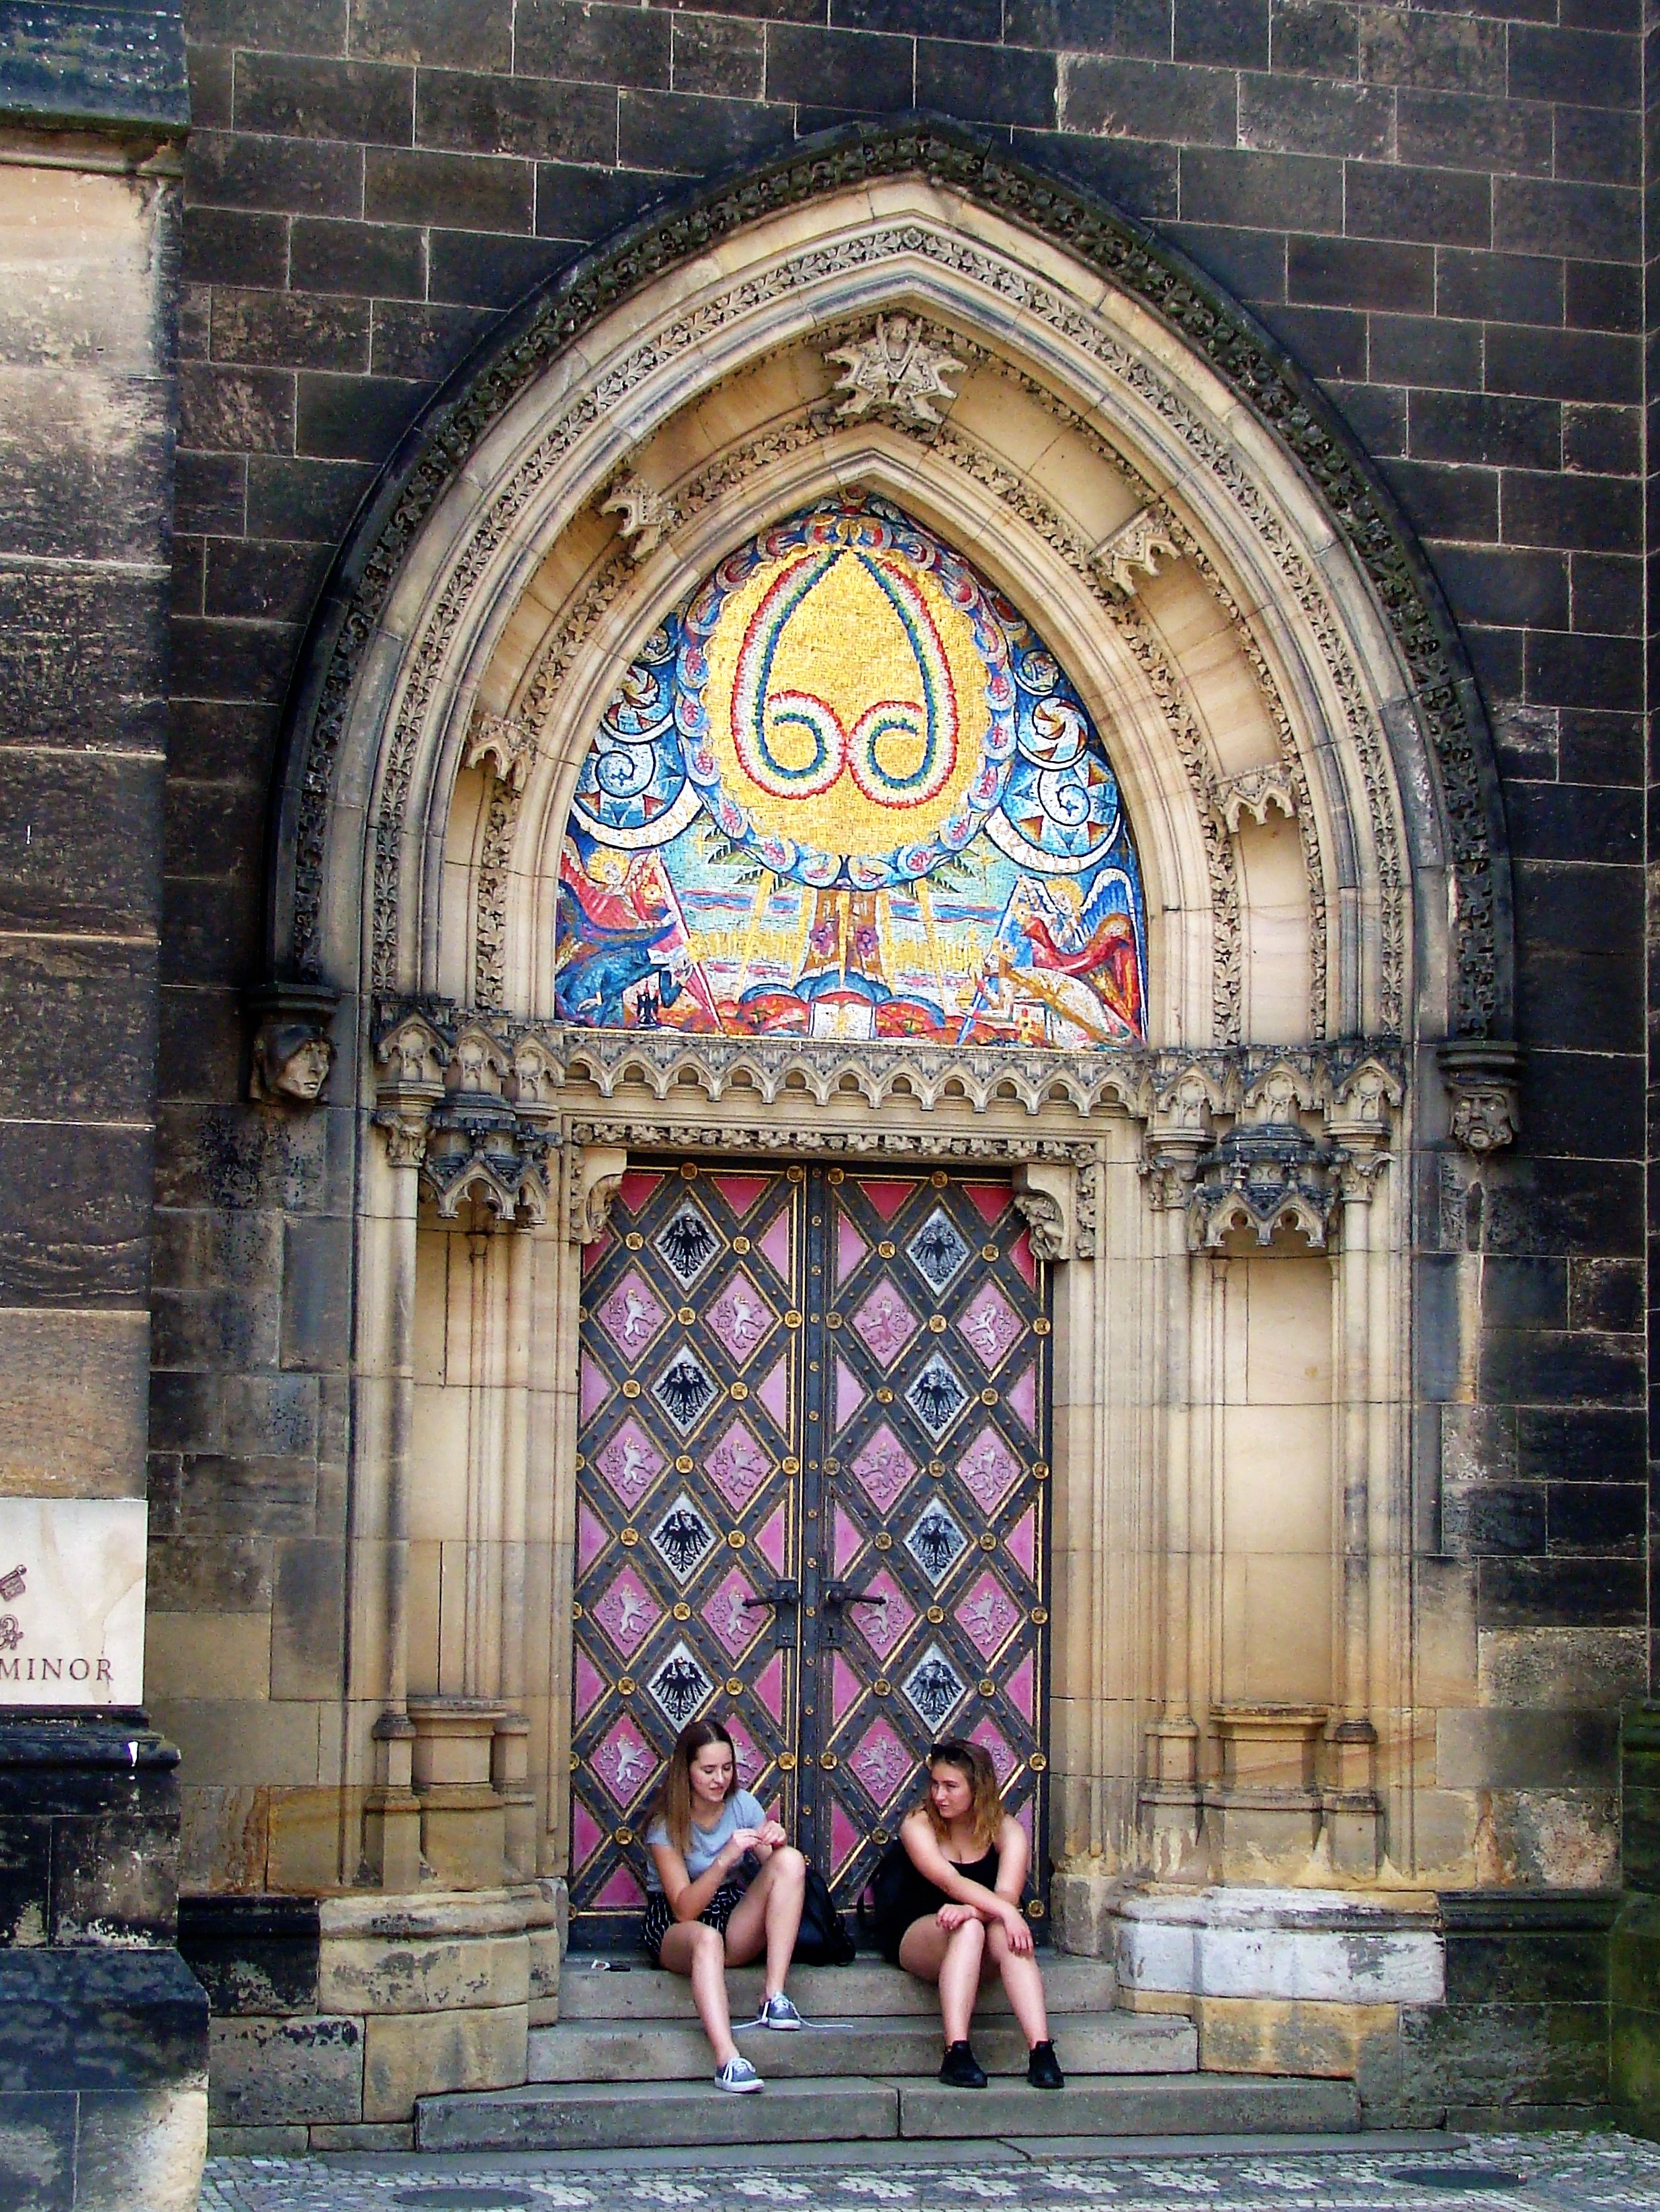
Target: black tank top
[915, 1898]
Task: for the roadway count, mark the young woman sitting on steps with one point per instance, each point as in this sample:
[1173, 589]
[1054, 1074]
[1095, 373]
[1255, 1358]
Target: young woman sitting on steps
[955, 1911]
[725, 1885]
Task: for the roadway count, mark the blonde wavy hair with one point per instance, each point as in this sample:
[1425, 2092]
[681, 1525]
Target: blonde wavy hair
[974, 1763]
[672, 1803]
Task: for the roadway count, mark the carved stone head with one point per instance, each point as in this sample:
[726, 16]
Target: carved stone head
[293, 1051]
[291, 1061]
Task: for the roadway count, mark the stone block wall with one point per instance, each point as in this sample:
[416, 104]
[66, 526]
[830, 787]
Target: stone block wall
[328, 2022]
[1440, 214]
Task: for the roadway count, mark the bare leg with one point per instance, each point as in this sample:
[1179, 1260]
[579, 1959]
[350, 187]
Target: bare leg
[1024, 1985]
[954, 1962]
[692, 1949]
[770, 1914]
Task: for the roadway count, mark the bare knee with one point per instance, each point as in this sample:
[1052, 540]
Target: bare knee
[707, 1945]
[791, 1865]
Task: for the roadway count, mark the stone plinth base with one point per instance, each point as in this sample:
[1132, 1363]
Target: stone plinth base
[103, 2080]
[1286, 1982]
[103, 2028]
[326, 2033]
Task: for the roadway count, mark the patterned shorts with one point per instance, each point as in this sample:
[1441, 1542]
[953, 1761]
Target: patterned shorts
[659, 1919]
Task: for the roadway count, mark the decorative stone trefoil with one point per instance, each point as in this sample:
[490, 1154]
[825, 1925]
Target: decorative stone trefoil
[895, 370]
[1138, 543]
[646, 513]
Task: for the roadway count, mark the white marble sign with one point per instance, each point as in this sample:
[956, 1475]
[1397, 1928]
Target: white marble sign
[72, 1600]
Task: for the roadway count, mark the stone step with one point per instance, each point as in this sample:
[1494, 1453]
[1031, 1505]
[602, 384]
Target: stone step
[656, 2116]
[1135, 2104]
[603, 2116]
[676, 2050]
[868, 1986]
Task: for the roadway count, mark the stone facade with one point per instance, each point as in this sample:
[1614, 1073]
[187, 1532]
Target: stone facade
[1356, 1533]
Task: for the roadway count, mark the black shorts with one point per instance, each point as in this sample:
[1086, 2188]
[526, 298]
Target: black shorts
[659, 1919]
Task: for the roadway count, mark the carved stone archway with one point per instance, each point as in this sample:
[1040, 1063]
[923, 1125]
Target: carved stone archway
[1303, 759]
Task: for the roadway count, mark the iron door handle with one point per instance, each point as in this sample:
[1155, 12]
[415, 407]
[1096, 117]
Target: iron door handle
[783, 1597]
[836, 1598]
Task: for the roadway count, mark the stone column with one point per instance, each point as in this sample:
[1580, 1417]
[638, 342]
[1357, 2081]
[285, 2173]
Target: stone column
[384, 1387]
[1177, 1134]
[1357, 1124]
[103, 2030]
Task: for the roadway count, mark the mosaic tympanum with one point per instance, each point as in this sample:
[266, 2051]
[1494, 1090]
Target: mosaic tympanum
[845, 790]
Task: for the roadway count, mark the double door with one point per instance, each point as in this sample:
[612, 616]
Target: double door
[812, 1491]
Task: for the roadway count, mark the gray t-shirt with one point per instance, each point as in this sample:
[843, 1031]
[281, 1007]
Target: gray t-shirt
[739, 1811]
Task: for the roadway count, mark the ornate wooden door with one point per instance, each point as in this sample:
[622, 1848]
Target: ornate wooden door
[933, 1397]
[811, 1501]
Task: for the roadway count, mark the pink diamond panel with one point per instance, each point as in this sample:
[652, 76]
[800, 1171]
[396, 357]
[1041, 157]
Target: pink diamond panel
[1021, 1543]
[1022, 1401]
[630, 1463]
[846, 1689]
[595, 1386]
[591, 1537]
[849, 1395]
[880, 1762]
[740, 1319]
[741, 1191]
[747, 1753]
[846, 1836]
[624, 1760]
[885, 1324]
[737, 1466]
[991, 1326]
[734, 1623]
[848, 1538]
[775, 1393]
[851, 1247]
[885, 1198]
[988, 1615]
[628, 1612]
[1018, 1688]
[591, 1685]
[991, 1738]
[883, 1469]
[632, 1314]
[585, 1833]
[769, 1686]
[988, 1470]
[770, 1540]
[621, 1891]
[773, 1246]
[883, 1626]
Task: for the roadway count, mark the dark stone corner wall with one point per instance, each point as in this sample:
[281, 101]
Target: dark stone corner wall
[1439, 210]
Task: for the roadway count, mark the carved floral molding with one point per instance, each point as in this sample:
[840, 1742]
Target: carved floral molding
[476, 1101]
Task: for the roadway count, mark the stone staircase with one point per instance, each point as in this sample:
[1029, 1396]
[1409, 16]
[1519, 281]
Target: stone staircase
[627, 2067]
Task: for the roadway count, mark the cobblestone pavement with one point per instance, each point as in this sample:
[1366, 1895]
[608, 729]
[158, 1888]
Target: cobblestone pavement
[1557, 2172]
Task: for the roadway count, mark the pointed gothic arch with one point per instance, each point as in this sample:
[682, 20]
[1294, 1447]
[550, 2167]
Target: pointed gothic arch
[1308, 777]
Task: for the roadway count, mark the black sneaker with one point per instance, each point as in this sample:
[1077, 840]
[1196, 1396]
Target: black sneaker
[1042, 2069]
[961, 2069]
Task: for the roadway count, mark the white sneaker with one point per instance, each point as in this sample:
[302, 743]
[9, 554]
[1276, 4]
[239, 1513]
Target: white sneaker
[739, 2076]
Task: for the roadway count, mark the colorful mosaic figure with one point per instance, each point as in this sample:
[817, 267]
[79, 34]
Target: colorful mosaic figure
[846, 791]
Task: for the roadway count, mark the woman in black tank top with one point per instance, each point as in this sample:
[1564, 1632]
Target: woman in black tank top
[955, 1913]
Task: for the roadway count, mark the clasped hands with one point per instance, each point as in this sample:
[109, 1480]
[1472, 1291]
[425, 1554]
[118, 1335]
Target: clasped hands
[766, 1838]
[1019, 1936]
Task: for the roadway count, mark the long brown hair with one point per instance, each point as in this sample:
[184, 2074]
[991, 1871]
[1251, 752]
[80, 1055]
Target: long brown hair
[672, 1803]
[974, 1762]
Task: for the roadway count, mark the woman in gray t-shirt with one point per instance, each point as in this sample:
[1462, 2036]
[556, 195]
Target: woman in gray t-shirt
[725, 1885]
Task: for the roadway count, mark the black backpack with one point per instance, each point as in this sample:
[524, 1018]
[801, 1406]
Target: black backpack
[823, 1940]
